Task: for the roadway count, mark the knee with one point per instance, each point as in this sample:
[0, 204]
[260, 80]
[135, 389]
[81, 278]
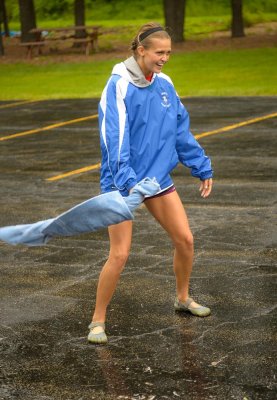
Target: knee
[184, 241]
[119, 259]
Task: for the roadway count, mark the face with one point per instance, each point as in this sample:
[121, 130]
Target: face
[153, 59]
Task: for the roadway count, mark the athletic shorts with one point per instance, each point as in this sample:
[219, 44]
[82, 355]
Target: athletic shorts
[169, 190]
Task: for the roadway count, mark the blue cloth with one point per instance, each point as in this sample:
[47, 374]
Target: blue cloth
[98, 212]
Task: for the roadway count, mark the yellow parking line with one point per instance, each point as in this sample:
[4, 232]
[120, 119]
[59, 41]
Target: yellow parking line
[76, 171]
[18, 103]
[234, 126]
[209, 133]
[47, 128]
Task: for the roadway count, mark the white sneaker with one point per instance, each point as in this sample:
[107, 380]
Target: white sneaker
[97, 333]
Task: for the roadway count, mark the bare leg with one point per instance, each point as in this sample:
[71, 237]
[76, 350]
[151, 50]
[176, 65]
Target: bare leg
[120, 243]
[168, 210]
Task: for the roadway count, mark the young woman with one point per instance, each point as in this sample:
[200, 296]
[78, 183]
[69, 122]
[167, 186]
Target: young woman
[144, 132]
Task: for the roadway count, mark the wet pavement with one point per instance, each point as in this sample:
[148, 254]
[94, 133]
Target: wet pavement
[48, 293]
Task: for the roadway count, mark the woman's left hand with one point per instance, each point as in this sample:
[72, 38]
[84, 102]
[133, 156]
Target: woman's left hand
[206, 187]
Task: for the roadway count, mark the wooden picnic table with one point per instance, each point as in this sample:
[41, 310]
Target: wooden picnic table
[48, 36]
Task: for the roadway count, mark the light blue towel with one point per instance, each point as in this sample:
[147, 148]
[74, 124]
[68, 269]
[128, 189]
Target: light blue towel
[98, 212]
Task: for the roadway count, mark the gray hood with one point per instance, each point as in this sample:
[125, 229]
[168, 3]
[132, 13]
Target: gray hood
[130, 70]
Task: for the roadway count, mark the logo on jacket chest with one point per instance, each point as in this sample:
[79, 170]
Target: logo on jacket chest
[165, 99]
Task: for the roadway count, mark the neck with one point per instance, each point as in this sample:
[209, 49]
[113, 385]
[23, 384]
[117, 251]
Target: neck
[144, 70]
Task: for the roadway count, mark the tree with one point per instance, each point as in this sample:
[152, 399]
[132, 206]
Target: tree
[237, 19]
[1, 45]
[1, 39]
[79, 15]
[27, 20]
[174, 12]
[4, 18]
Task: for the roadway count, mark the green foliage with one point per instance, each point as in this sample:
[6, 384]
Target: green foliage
[260, 6]
[214, 73]
[137, 9]
[52, 8]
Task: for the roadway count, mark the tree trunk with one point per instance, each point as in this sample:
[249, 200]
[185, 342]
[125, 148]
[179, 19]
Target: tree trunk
[4, 17]
[174, 13]
[27, 20]
[79, 14]
[237, 18]
[1, 40]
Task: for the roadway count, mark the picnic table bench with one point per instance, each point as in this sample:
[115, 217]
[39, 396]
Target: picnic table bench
[45, 36]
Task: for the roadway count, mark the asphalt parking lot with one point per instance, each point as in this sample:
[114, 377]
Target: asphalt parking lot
[154, 353]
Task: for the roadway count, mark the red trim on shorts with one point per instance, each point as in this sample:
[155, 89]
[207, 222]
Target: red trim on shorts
[167, 191]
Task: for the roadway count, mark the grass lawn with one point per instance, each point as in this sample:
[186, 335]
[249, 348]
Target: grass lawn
[245, 72]
[213, 73]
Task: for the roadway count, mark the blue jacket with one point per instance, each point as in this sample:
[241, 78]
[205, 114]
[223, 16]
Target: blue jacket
[144, 131]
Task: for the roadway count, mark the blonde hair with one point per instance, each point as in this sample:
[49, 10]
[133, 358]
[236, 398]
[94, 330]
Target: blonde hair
[146, 42]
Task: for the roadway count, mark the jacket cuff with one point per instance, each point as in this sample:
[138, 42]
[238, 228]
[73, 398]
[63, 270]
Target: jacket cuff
[131, 183]
[206, 175]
